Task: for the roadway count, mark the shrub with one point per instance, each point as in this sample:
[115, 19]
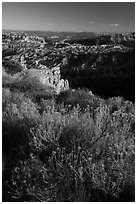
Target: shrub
[73, 155]
[80, 97]
[19, 115]
[12, 67]
[7, 79]
[16, 105]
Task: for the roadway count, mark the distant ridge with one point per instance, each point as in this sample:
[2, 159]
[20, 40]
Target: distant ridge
[42, 31]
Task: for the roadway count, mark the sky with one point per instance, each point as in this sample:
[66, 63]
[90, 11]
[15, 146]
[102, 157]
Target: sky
[69, 16]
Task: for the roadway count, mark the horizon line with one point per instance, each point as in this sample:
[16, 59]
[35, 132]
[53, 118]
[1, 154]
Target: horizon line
[67, 31]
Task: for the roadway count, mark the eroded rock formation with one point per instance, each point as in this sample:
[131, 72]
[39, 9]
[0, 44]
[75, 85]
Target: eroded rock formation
[42, 80]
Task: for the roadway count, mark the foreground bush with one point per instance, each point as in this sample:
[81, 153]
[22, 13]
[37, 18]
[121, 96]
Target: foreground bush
[79, 154]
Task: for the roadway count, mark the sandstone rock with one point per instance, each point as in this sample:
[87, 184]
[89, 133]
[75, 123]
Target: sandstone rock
[63, 85]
